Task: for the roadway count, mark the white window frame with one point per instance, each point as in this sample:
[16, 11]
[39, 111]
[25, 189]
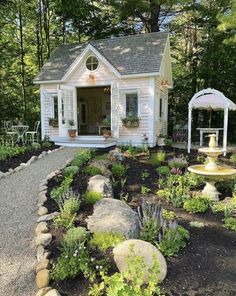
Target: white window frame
[52, 98]
[128, 91]
[92, 56]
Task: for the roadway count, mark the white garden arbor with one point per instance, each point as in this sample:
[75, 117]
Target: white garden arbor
[210, 99]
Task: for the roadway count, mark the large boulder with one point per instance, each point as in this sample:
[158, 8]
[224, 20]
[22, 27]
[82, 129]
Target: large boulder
[143, 249]
[102, 165]
[112, 215]
[100, 184]
[116, 154]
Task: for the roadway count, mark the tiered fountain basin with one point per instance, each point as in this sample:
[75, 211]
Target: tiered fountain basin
[212, 172]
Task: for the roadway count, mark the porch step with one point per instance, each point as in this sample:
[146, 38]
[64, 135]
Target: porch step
[86, 143]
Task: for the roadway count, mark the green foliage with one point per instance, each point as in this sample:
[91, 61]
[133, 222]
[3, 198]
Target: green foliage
[92, 171]
[70, 171]
[71, 205]
[82, 157]
[145, 190]
[173, 241]
[150, 230]
[168, 215]
[75, 237]
[105, 240]
[233, 158]
[57, 193]
[201, 158]
[158, 158]
[218, 207]
[35, 146]
[163, 171]
[8, 151]
[197, 204]
[144, 175]
[130, 282]
[178, 162]
[64, 219]
[91, 197]
[118, 170]
[46, 143]
[230, 223]
[102, 156]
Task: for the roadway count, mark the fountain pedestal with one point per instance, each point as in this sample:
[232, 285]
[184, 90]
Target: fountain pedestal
[211, 171]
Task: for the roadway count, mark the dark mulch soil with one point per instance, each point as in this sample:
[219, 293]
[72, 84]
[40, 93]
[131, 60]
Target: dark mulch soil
[15, 161]
[206, 267]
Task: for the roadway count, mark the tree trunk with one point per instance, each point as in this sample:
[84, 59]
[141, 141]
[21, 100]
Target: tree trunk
[154, 17]
[22, 64]
[46, 22]
[39, 34]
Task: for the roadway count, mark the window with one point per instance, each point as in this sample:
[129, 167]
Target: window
[131, 104]
[55, 107]
[92, 63]
[160, 114]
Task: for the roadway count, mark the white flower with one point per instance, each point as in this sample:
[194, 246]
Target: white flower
[66, 256]
[92, 259]
[100, 267]
[97, 267]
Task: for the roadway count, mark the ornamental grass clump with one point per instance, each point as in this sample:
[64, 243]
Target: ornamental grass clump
[158, 158]
[70, 171]
[91, 197]
[118, 170]
[105, 240]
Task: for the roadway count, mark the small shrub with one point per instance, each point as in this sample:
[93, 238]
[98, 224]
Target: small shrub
[105, 240]
[173, 241]
[74, 237]
[233, 158]
[176, 171]
[35, 146]
[91, 197]
[118, 170]
[70, 171]
[230, 223]
[82, 157]
[144, 175]
[46, 143]
[197, 204]
[218, 207]
[102, 157]
[71, 205]
[201, 159]
[178, 162]
[92, 171]
[163, 171]
[158, 158]
[168, 215]
[168, 142]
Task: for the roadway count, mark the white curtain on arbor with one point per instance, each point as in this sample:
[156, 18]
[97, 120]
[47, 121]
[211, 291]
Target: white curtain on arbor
[210, 99]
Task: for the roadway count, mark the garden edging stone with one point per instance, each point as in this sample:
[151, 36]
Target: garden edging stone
[26, 164]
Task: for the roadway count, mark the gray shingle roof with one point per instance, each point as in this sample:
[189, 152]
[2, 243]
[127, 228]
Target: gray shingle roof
[133, 54]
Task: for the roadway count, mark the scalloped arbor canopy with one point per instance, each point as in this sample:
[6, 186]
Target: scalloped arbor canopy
[210, 99]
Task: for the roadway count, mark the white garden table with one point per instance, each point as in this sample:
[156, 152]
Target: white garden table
[209, 130]
[20, 130]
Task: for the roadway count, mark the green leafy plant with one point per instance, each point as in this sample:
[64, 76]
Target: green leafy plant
[174, 239]
[91, 197]
[8, 151]
[74, 237]
[118, 170]
[218, 207]
[158, 158]
[168, 215]
[70, 171]
[102, 156]
[46, 142]
[145, 190]
[230, 223]
[233, 158]
[145, 175]
[92, 171]
[58, 192]
[71, 205]
[105, 240]
[64, 219]
[35, 146]
[82, 157]
[201, 158]
[197, 204]
[130, 282]
[163, 171]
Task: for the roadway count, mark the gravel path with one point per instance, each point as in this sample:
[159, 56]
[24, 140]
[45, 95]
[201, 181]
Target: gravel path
[18, 215]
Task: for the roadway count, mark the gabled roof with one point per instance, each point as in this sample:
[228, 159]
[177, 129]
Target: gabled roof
[135, 54]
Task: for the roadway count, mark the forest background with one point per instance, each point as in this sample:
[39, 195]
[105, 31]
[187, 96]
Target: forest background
[202, 34]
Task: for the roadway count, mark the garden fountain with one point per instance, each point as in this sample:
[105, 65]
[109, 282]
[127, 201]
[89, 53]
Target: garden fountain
[211, 171]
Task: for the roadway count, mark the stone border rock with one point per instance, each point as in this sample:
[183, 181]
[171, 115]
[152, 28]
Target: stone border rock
[26, 164]
[44, 238]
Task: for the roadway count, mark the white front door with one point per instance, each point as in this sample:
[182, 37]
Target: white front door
[67, 108]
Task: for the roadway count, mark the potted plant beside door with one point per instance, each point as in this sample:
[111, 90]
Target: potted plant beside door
[106, 123]
[72, 129]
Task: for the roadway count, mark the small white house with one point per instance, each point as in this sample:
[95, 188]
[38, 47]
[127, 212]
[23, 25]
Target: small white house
[112, 79]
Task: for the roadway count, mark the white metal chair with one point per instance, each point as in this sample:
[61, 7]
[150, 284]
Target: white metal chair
[30, 136]
[12, 134]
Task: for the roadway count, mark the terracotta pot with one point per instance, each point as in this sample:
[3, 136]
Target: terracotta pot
[106, 134]
[72, 133]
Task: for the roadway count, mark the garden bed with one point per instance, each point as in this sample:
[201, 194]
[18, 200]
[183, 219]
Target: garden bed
[206, 266]
[15, 161]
